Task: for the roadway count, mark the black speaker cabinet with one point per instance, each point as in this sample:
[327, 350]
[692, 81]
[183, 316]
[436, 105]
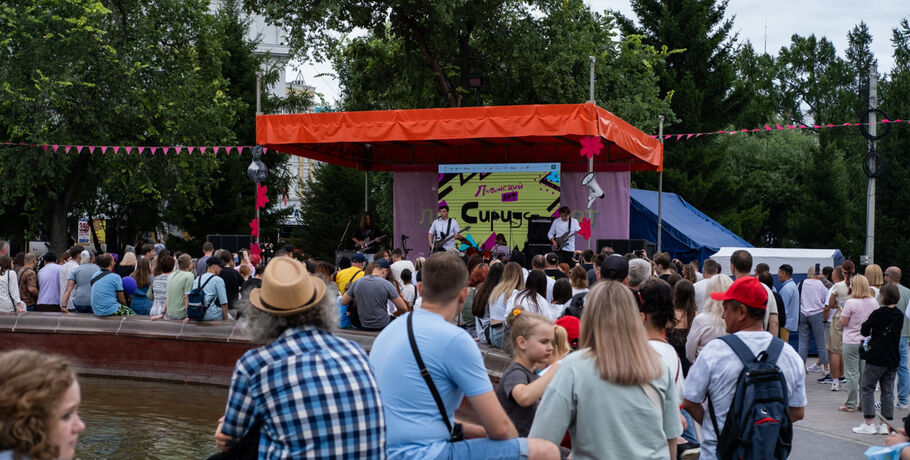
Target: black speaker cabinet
[626, 246]
[537, 230]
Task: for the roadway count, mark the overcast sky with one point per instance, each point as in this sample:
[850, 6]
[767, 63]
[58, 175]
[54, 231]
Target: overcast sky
[831, 19]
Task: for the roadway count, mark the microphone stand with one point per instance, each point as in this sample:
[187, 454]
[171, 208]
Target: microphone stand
[404, 246]
[343, 235]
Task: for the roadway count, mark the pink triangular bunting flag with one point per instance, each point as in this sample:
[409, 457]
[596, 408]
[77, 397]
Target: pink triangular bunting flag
[103, 149]
[153, 149]
[265, 150]
[679, 136]
[66, 148]
[44, 146]
[91, 149]
[165, 150]
[78, 149]
[767, 128]
[116, 149]
[178, 149]
[55, 147]
[202, 150]
[190, 150]
[128, 149]
[779, 127]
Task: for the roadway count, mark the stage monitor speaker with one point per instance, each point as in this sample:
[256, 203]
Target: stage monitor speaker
[340, 254]
[623, 247]
[232, 243]
[533, 249]
[538, 227]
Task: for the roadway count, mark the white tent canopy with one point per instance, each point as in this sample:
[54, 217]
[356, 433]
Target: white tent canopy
[800, 259]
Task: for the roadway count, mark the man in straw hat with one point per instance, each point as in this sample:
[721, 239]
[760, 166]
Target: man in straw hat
[313, 392]
[418, 429]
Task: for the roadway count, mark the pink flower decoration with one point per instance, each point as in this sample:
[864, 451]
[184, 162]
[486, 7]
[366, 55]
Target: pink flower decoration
[255, 250]
[585, 230]
[591, 146]
[254, 227]
[261, 198]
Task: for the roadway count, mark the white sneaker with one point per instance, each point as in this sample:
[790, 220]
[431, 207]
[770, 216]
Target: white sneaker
[901, 406]
[815, 368]
[883, 429]
[835, 386]
[865, 429]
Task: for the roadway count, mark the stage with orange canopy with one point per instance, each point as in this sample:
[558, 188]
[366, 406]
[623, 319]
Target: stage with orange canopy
[422, 139]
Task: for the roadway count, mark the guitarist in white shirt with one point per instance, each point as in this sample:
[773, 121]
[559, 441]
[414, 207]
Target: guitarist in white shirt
[563, 227]
[444, 228]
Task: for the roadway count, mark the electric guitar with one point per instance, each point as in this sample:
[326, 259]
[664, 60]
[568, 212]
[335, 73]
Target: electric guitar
[438, 245]
[366, 244]
[562, 240]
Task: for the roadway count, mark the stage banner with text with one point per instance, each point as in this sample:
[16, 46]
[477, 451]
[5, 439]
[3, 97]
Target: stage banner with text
[498, 198]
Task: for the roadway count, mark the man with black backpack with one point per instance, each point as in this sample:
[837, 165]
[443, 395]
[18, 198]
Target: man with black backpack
[728, 373]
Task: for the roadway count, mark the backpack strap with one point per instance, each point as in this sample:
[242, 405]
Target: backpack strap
[426, 374]
[98, 278]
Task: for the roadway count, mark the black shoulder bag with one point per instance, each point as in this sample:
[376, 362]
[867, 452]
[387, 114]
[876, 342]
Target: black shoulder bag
[456, 433]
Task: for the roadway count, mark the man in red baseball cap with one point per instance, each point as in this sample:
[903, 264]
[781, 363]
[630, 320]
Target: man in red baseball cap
[717, 369]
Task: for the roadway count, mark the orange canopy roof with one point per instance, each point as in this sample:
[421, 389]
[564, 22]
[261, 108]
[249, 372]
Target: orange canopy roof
[421, 139]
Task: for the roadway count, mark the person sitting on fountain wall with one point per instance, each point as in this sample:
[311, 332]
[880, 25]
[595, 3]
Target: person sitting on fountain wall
[108, 298]
[303, 373]
[39, 400]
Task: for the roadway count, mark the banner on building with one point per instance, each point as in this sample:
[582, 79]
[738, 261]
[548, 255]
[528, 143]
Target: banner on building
[498, 199]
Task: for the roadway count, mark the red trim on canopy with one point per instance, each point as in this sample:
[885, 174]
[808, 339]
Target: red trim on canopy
[421, 139]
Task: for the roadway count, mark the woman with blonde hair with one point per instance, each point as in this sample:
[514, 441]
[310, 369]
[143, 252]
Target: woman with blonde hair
[39, 400]
[876, 279]
[127, 265]
[709, 324]
[615, 383]
[512, 281]
[856, 311]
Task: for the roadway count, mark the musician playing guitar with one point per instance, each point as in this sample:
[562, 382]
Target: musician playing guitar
[366, 236]
[565, 228]
[443, 228]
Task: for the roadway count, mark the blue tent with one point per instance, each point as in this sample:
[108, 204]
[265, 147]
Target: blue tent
[688, 234]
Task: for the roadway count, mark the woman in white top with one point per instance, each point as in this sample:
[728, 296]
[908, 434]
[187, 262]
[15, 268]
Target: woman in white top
[709, 324]
[9, 287]
[532, 297]
[511, 282]
[615, 383]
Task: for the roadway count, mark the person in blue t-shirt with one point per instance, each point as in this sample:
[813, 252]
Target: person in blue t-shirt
[415, 427]
[214, 289]
[108, 298]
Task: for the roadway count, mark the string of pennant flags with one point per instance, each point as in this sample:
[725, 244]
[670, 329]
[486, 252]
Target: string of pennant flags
[117, 149]
[776, 127]
[239, 149]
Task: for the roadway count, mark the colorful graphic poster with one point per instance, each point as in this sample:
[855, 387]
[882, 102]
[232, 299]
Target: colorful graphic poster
[498, 198]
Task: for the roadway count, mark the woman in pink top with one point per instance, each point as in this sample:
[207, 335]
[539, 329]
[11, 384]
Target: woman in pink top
[856, 311]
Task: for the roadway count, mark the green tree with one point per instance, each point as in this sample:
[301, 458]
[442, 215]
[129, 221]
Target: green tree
[892, 212]
[109, 73]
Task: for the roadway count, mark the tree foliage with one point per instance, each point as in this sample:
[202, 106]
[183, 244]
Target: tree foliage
[123, 72]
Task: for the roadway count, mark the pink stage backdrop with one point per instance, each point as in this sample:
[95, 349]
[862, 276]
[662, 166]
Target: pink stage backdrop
[415, 207]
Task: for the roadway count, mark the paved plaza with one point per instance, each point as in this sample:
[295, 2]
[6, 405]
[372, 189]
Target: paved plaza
[826, 433]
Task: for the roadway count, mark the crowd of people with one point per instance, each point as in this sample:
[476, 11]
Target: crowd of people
[615, 354]
[152, 281]
[610, 332]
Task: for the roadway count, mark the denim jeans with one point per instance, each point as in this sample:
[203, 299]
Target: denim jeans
[903, 375]
[812, 324]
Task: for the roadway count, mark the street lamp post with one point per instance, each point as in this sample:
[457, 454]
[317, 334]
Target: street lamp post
[257, 171]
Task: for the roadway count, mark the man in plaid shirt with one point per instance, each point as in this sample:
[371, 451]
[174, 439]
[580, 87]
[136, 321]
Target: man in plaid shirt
[313, 393]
